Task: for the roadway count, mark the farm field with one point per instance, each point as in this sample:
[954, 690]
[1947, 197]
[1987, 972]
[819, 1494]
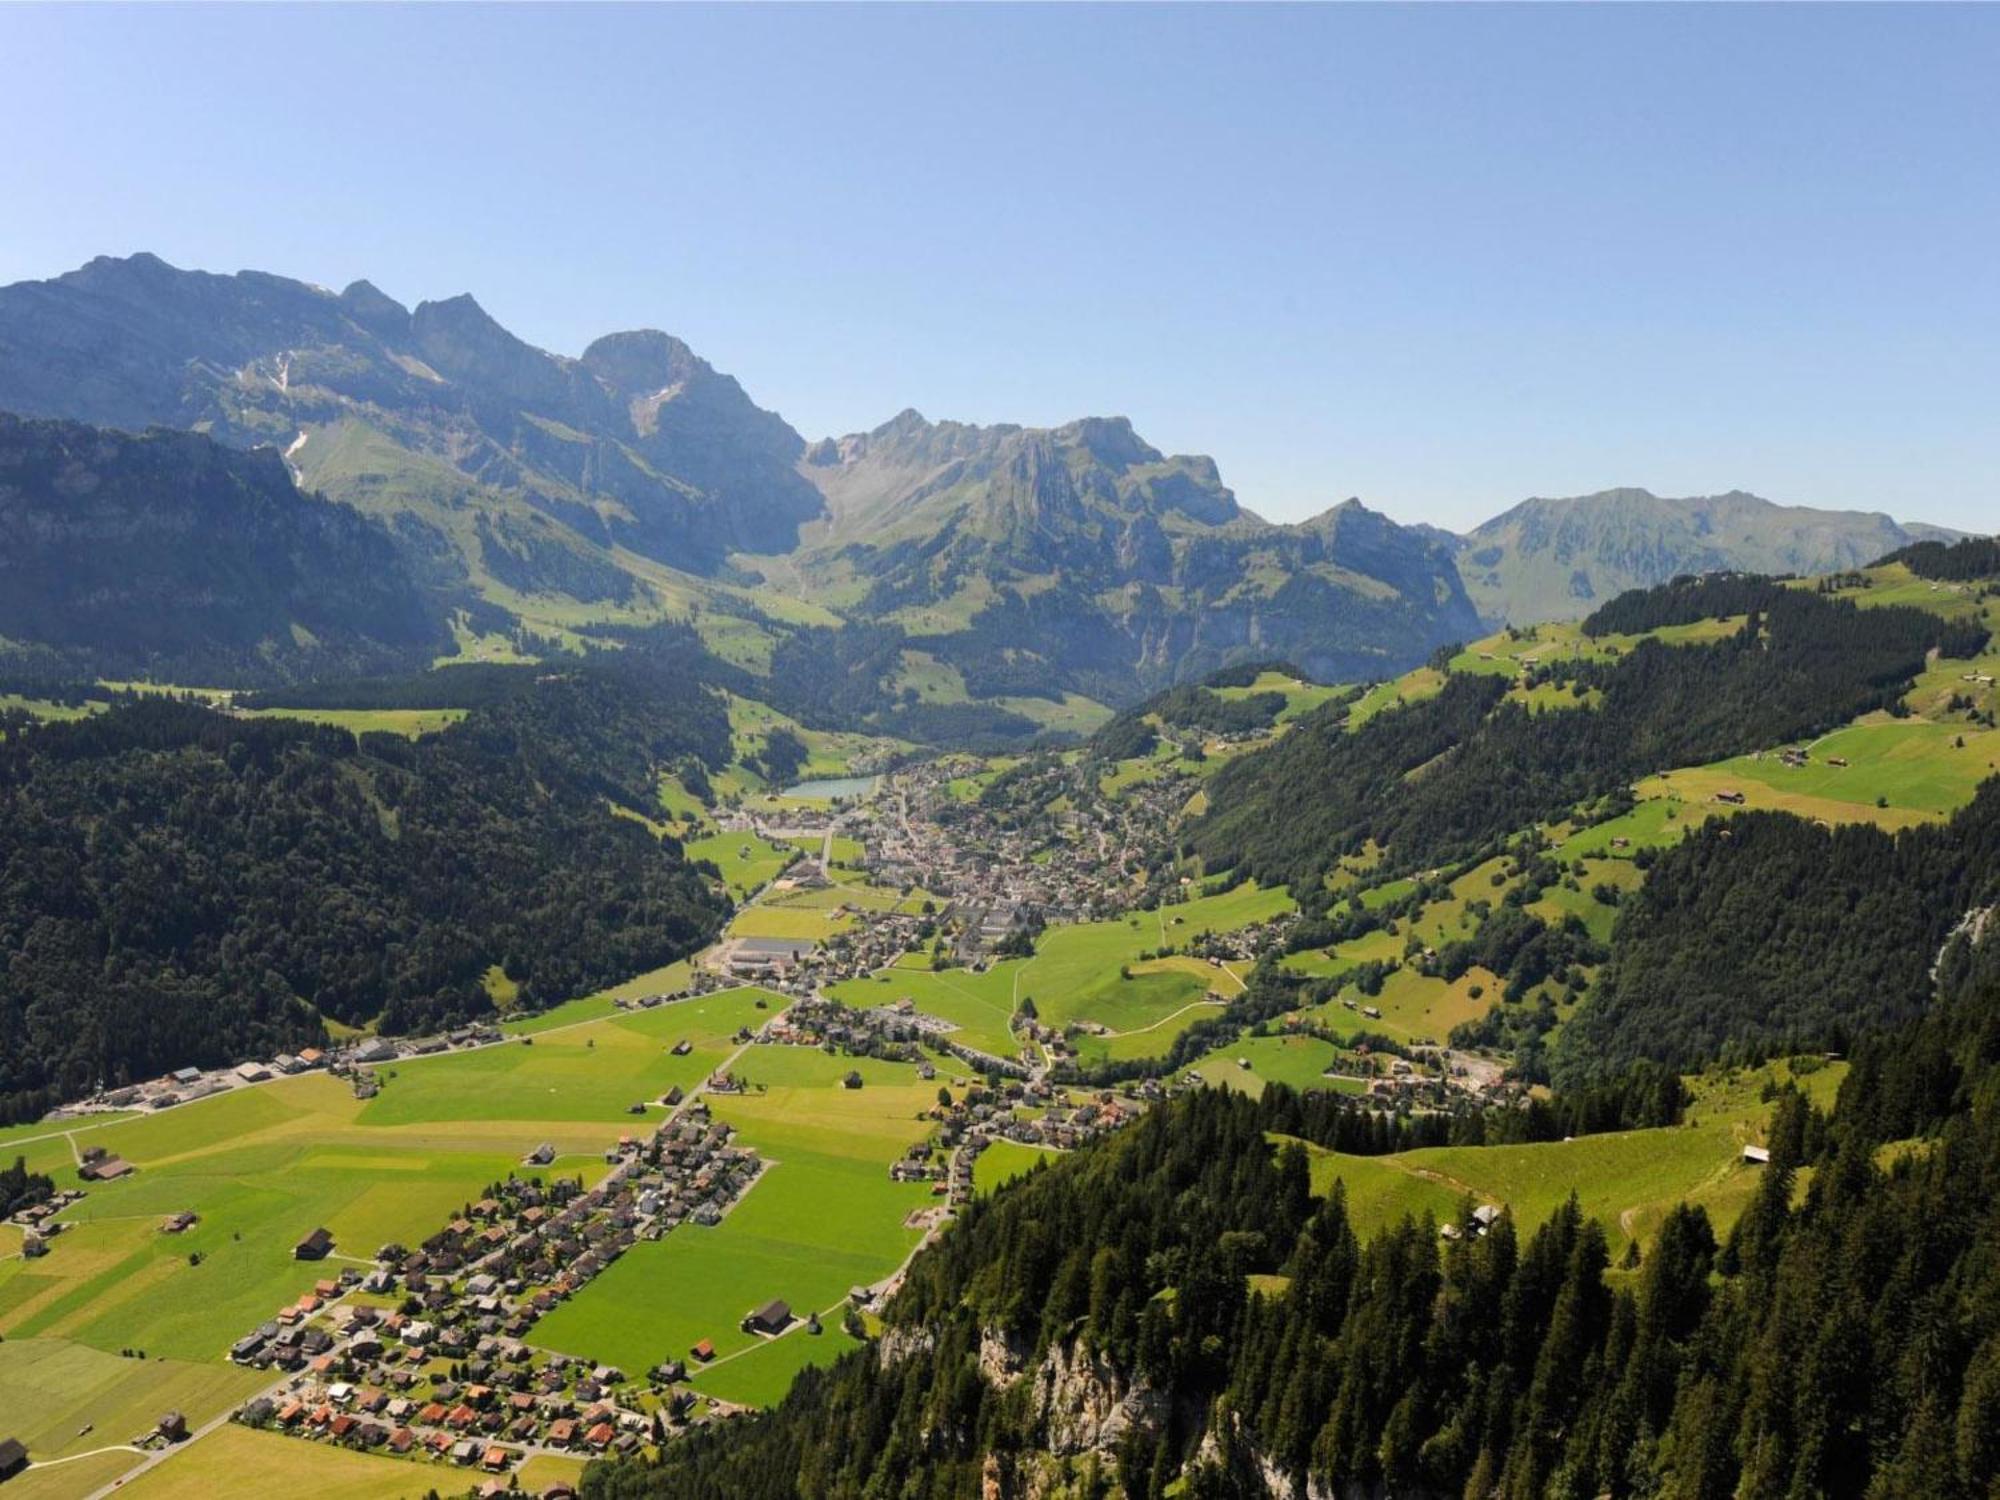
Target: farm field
[665, 981]
[761, 1376]
[981, 1006]
[51, 1390]
[72, 1478]
[823, 1218]
[235, 1460]
[265, 1165]
[767, 919]
[1074, 973]
[590, 1072]
[1919, 768]
[745, 860]
[1003, 1161]
[1627, 1179]
[1415, 1008]
[1299, 1062]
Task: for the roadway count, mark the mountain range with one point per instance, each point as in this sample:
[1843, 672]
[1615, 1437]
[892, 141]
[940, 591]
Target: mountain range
[1559, 559]
[572, 499]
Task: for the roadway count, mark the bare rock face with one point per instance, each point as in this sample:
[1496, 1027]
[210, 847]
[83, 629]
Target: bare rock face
[640, 443]
[1088, 1405]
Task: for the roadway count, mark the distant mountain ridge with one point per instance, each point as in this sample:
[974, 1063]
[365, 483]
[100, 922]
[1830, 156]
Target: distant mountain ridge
[1549, 559]
[423, 416]
[1120, 566]
[583, 497]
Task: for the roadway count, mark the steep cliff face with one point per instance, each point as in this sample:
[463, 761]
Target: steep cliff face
[640, 443]
[1113, 566]
[173, 555]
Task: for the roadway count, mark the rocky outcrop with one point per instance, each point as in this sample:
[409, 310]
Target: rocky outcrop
[640, 442]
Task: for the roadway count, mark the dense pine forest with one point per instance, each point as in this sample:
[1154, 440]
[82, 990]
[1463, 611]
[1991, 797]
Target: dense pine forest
[1095, 1330]
[1767, 933]
[180, 886]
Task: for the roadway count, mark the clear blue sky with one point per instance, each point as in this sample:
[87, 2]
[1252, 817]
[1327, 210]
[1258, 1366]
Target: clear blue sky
[1440, 258]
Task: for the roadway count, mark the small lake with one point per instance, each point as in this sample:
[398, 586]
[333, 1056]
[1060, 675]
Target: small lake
[832, 787]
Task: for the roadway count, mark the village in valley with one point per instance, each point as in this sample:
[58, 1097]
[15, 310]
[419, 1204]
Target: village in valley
[541, 1238]
[486, 1256]
[456, 1342]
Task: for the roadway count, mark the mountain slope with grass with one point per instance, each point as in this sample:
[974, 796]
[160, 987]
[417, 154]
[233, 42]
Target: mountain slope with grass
[417, 414]
[1085, 558]
[1555, 559]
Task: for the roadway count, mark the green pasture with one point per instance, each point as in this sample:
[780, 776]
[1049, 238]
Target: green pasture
[760, 1376]
[409, 723]
[785, 921]
[746, 860]
[1301, 697]
[265, 1165]
[1299, 1062]
[981, 1006]
[235, 1460]
[1913, 765]
[823, 1218]
[1003, 1161]
[663, 981]
[52, 1389]
[589, 1072]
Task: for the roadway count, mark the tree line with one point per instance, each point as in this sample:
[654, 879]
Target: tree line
[1450, 777]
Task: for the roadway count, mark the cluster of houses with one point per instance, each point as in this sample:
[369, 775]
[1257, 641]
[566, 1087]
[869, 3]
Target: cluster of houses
[352, 1061]
[997, 871]
[484, 1409]
[436, 1360]
[1034, 1113]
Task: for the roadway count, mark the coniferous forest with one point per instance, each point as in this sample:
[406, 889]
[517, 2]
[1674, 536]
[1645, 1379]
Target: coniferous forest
[1451, 776]
[179, 886]
[1843, 1339]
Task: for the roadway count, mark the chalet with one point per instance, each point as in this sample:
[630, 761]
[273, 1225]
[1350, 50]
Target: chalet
[252, 1072]
[1757, 1156]
[704, 1350]
[772, 1317]
[314, 1246]
[105, 1169]
[177, 1223]
[185, 1076]
[13, 1457]
[173, 1427]
[1731, 796]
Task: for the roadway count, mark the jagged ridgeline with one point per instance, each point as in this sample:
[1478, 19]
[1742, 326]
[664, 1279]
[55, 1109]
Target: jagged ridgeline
[1452, 775]
[181, 886]
[1174, 1310]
